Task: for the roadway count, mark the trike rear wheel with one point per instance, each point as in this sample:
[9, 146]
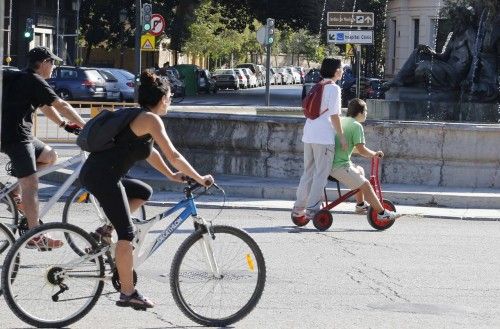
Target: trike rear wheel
[373, 218]
[322, 220]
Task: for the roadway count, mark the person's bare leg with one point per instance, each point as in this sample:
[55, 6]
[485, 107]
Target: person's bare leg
[125, 266]
[29, 195]
[135, 204]
[47, 158]
[360, 198]
[371, 197]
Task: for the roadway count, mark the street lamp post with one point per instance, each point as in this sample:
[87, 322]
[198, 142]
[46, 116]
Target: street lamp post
[123, 18]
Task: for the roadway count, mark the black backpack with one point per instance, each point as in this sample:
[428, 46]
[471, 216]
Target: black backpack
[99, 133]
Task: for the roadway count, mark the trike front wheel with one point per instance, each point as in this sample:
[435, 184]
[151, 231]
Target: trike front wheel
[373, 220]
[217, 278]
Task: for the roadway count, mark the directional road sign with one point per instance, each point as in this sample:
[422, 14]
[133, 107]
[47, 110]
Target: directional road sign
[363, 37]
[148, 42]
[350, 19]
[157, 24]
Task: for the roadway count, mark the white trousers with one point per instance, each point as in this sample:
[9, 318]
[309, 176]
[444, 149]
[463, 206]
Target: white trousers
[318, 160]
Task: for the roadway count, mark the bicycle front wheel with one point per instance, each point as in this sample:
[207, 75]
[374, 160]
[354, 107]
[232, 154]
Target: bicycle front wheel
[223, 296]
[55, 288]
[6, 242]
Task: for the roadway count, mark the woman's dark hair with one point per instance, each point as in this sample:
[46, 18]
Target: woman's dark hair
[355, 107]
[152, 89]
[329, 66]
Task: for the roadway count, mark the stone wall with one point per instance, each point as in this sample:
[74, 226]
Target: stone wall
[436, 154]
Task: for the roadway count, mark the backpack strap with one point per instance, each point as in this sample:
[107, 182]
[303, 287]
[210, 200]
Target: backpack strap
[323, 83]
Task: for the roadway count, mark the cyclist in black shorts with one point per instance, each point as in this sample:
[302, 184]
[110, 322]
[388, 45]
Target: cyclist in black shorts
[23, 93]
[103, 175]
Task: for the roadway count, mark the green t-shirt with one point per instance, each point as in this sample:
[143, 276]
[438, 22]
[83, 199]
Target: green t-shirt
[354, 134]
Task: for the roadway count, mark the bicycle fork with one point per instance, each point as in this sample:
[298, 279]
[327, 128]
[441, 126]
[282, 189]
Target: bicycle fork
[207, 245]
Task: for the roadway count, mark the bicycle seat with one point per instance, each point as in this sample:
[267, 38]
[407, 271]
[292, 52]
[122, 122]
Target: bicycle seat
[332, 179]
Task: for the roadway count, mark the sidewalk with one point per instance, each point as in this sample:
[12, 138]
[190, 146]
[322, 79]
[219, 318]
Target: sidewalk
[278, 194]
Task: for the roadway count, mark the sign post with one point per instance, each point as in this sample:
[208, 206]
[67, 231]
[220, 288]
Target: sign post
[356, 37]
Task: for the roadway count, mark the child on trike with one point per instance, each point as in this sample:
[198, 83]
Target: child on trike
[381, 213]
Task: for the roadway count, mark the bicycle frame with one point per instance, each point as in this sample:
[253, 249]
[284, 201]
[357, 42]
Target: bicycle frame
[188, 207]
[77, 159]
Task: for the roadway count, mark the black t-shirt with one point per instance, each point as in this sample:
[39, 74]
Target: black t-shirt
[22, 93]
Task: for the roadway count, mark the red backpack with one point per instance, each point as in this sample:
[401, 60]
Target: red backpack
[311, 104]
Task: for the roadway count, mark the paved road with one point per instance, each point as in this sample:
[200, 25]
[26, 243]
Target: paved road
[421, 273]
[280, 96]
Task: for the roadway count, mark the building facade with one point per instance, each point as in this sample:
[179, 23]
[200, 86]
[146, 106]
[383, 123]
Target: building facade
[55, 24]
[409, 23]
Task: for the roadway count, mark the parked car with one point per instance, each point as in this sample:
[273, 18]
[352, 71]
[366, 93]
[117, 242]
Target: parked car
[226, 78]
[241, 78]
[255, 70]
[287, 78]
[78, 83]
[205, 82]
[302, 73]
[369, 88]
[126, 83]
[262, 70]
[294, 73]
[111, 85]
[252, 79]
[177, 86]
[310, 79]
[276, 78]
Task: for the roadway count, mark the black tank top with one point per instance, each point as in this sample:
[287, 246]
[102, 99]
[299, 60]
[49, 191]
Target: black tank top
[128, 150]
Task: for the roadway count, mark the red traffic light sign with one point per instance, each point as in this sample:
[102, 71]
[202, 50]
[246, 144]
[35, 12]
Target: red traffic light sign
[158, 24]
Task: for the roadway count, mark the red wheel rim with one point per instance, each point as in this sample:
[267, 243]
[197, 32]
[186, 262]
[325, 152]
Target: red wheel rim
[382, 223]
[322, 220]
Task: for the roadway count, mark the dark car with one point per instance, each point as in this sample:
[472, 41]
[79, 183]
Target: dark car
[310, 79]
[78, 83]
[205, 82]
[9, 68]
[370, 88]
[177, 86]
[226, 78]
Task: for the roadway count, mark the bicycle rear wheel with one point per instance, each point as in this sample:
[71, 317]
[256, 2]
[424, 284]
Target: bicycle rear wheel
[81, 202]
[55, 288]
[212, 301]
[6, 242]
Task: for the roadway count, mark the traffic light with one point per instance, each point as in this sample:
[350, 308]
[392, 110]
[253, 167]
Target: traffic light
[269, 31]
[29, 31]
[147, 11]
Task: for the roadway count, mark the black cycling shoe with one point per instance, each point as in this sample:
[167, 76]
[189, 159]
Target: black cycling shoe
[137, 301]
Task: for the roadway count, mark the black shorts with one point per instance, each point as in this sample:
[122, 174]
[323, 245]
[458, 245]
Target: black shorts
[23, 156]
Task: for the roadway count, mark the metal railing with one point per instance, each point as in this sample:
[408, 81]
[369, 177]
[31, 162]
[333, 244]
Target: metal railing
[49, 132]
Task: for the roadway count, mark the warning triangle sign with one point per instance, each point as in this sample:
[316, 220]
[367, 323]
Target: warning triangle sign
[147, 45]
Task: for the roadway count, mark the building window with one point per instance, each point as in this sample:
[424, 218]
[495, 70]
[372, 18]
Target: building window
[416, 32]
[39, 39]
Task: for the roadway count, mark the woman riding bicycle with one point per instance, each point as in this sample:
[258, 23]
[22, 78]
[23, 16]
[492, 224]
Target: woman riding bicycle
[103, 175]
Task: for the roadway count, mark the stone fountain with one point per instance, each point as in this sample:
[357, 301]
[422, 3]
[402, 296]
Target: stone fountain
[461, 83]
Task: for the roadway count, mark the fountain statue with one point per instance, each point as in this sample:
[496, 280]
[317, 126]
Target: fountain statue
[467, 70]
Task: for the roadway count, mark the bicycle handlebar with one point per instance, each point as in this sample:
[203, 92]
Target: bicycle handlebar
[193, 185]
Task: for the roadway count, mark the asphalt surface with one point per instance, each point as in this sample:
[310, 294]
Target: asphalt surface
[420, 273]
